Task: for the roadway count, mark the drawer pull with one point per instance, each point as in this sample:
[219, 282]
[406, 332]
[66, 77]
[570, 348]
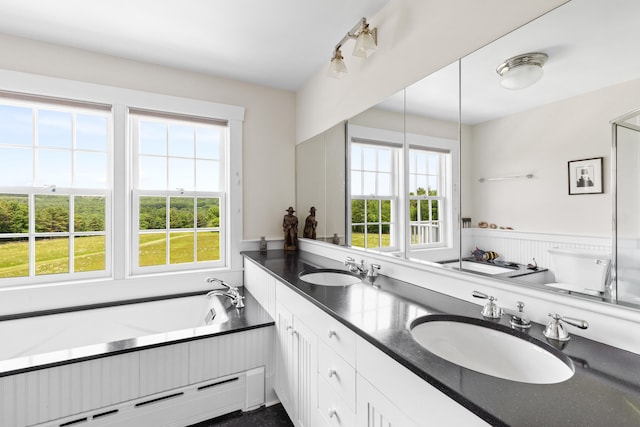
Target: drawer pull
[332, 372]
[332, 333]
[332, 413]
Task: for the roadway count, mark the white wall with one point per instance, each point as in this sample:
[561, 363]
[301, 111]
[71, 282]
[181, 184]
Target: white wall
[416, 38]
[269, 126]
[541, 141]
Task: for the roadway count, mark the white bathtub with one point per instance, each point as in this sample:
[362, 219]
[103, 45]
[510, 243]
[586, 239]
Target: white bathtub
[478, 267]
[138, 364]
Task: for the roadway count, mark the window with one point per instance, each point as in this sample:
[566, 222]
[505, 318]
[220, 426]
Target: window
[55, 192]
[374, 198]
[179, 192]
[427, 191]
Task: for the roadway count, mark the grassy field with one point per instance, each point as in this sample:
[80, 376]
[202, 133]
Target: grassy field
[52, 255]
[373, 240]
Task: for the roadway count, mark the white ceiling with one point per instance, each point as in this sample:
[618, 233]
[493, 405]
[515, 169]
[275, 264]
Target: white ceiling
[277, 43]
[591, 44]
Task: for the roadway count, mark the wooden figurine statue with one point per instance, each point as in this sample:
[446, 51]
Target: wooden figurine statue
[310, 225]
[290, 228]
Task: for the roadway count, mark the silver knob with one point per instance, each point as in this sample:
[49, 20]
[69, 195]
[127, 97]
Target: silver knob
[491, 309]
[555, 329]
[332, 413]
[332, 372]
[332, 333]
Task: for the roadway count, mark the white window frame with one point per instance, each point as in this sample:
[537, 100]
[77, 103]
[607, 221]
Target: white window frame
[36, 102]
[443, 221]
[123, 283]
[388, 139]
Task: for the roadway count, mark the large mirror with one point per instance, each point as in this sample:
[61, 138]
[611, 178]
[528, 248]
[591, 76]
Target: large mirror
[535, 163]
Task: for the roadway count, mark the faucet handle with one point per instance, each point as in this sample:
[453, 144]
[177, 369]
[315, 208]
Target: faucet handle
[491, 309]
[221, 282]
[520, 319]
[555, 329]
[373, 270]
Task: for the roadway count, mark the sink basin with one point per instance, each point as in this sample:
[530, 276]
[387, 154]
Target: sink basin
[330, 277]
[491, 349]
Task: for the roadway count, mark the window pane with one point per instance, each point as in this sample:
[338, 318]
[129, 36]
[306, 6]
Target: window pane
[89, 253]
[91, 170]
[421, 163]
[54, 168]
[14, 257]
[181, 245]
[153, 138]
[16, 125]
[386, 211]
[208, 175]
[208, 143]
[384, 184]
[434, 161]
[373, 236]
[89, 213]
[435, 210]
[152, 249]
[356, 183]
[421, 182]
[369, 158]
[54, 129]
[153, 173]
[384, 160]
[356, 157]
[181, 141]
[386, 236]
[91, 132]
[413, 210]
[424, 210]
[208, 212]
[52, 255]
[16, 165]
[357, 211]
[181, 174]
[181, 212]
[357, 236]
[14, 213]
[369, 186]
[153, 213]
[433, 186]
[373, 211]
[208, 245]
[52, 214]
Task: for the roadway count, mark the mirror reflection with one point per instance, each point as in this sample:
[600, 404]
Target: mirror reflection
[535, 181]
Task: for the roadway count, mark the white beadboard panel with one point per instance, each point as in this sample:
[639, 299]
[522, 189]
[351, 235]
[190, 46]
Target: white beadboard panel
[52, 393]
[226, 354]
[164, 368]
[522, 247]
[262, 286]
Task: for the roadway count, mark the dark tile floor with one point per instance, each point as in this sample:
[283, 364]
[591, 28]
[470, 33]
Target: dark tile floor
[272, 416]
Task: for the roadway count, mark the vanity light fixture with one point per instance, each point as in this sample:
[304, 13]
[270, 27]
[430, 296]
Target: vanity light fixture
[366, 43]
[522, 71]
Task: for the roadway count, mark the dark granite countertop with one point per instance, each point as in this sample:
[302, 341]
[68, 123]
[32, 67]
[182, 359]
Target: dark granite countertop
[251, 317]
[604, 391]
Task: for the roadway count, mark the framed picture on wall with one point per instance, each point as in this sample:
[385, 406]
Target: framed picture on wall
[585, 176]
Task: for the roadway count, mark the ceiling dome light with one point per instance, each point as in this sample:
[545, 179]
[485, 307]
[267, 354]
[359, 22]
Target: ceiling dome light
[337, 69]
[522, 71]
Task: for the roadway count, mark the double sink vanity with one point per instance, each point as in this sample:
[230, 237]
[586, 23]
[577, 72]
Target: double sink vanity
[419, 357]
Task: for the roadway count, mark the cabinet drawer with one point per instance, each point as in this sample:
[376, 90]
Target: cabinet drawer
[340, 376]
[332, 407]
[338, 337]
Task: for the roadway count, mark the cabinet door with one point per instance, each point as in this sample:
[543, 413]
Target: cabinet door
[305, 375]
[375, 410]
[284, 381]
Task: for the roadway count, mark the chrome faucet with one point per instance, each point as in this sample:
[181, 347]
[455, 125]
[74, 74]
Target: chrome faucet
[231, 292]
[519, 319]
[354, 267]
[372, 274]
[555, 329]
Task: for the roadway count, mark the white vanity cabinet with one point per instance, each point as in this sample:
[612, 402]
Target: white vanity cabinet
[328, 376]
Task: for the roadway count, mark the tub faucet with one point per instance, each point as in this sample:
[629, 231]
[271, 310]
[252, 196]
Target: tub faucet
[231, 292]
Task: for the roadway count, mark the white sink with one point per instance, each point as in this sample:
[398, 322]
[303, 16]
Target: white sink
[330, 277]
[491, 351]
